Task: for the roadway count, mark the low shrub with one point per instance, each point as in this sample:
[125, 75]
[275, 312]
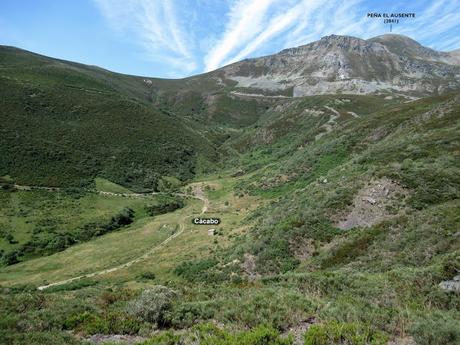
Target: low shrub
[198, 271]
[165, 204]
[75, 285]
[436, 328]
[39, 338]
[335, 333]
[113, 322]
[152, 304]
[209, 334]
[353, 248]
[187, 314]
[147, 275]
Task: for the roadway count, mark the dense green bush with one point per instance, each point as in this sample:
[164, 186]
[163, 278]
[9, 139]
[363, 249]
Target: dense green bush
[110, 322]
[183, 315]
[48, 243]
[208, 334]
[334, 333]
[10, 258]
[244, 306]
[198, 271]
[152, 305]
[353, 248]
[147, 275]
[437, 328]
[165, 204]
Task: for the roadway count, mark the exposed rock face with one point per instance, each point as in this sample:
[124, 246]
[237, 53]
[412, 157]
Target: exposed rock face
[384, 64]
[377, 201]
[249, 266]
[115, 338]
[451, 285]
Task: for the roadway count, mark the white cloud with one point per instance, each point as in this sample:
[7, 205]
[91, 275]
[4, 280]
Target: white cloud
[298, 22]
[204, 35]
[436, 26]
[156, 26]
[277, 25]
[246, 20]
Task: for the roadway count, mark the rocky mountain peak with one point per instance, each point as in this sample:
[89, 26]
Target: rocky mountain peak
[405, 46]
[385, 64]
[330, 43]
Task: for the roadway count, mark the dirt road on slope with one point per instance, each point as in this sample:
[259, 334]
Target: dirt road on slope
[197, 194]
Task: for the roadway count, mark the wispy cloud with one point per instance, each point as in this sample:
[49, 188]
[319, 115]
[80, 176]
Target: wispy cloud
[278, 24]
[246, 19]
[157, 26]
[437, 22]
[202, 35]
[438, 25]
[295, 23]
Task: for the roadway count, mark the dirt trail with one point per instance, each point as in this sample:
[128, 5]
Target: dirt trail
[353, 114]
[197, 194]
[51, 189]
[259, 95]
[330, 123]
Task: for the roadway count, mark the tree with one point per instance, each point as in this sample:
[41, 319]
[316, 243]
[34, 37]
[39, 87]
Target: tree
[10, 258]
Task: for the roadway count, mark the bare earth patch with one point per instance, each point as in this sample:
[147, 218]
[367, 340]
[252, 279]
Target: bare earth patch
[379, 200]
[115, 339]
[303, 248]
[298, 331]
[249, 266]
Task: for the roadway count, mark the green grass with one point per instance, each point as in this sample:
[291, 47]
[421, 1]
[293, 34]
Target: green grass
[104, 185]
[38, 215]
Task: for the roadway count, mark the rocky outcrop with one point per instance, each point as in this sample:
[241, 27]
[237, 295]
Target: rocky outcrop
[451, 285]
[349, 65]
[377, 201]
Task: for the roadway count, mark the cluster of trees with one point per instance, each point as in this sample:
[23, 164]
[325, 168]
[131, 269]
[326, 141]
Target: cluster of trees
[166, 204]
[52, 242]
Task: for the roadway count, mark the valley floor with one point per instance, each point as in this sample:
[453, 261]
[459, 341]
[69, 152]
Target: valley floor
[340, 227]
[115, 267]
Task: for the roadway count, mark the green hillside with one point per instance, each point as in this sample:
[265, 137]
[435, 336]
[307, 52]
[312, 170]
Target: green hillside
[63, 124]
[412, 148]
[339, 213]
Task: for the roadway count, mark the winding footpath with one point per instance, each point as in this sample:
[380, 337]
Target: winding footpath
[332, 122]
[197, 194]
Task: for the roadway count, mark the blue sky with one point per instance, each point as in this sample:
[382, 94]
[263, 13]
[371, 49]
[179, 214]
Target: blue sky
[178, 38]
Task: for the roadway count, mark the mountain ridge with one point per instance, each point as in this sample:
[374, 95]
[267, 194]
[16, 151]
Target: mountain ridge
[346, 64]
[208, 108]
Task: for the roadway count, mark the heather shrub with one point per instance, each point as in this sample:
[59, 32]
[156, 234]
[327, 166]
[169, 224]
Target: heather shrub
[152, 304]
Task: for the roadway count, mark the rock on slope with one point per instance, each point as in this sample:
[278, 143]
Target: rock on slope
[344, 64]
